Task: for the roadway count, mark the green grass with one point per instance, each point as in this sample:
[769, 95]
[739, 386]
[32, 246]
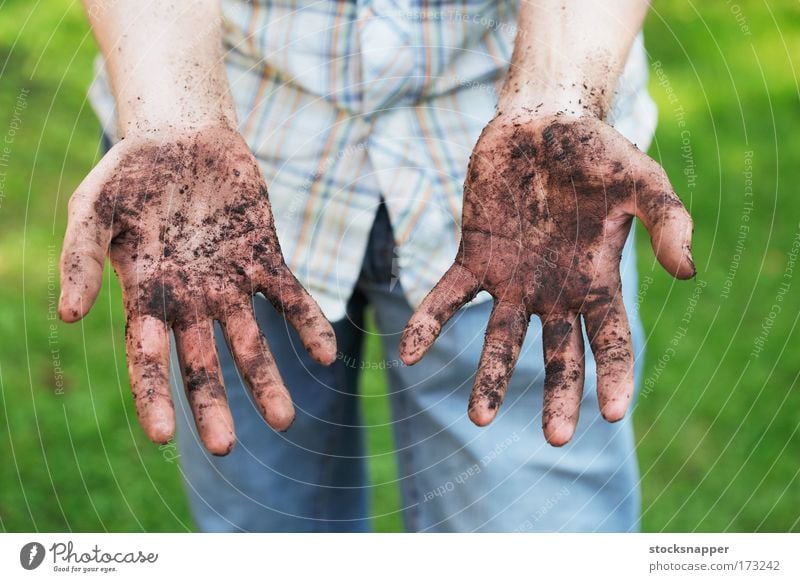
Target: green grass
[718, 429]
[718, 433]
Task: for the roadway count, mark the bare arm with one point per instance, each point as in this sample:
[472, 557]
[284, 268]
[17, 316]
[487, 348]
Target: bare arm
[165, 61]
[568, 55]
[181, 208]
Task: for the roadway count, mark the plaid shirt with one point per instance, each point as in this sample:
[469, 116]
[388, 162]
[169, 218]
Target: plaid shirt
[349, 102]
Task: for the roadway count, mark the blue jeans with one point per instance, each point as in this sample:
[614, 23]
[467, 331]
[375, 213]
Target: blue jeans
[453, 476]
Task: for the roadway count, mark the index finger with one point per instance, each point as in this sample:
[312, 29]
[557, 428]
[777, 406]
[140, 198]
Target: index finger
[290, 298]
[457, 287]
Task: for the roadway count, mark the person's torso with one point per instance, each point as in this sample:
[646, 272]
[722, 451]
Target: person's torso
[366, 55]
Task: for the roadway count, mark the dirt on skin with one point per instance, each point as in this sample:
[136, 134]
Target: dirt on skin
[548, 205]
[189, 230]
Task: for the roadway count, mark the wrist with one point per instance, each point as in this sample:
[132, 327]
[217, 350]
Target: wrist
[520, 99]
[164, 94]
[144, 123]
[185, 112]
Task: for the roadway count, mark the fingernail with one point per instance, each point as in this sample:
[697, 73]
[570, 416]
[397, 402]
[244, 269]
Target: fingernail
[690, 258]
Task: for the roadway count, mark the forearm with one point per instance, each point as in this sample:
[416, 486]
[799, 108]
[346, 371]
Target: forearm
[165, 62]
[569, 54]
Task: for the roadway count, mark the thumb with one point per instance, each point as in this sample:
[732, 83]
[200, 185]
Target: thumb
[668, 222]
[86, 242]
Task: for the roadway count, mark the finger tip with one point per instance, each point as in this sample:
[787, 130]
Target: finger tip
[161, 433]
[559, 434]
[409, 359]
[281, 418]
[410, 352]
[325, 356]
[159, 425]
[481, 415]
[222, 451]
[220, 445]
[322, 347]
[69, 313]
[675, 258]
[405, 353]
[614, 410]
[414, 344]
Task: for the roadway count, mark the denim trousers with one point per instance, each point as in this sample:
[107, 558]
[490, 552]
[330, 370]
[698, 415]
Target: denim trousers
[452, 475]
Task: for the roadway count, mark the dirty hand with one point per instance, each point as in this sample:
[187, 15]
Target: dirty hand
[185, 219]
[548, 205]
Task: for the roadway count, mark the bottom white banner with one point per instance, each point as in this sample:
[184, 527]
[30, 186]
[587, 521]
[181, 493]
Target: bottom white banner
[397, 556]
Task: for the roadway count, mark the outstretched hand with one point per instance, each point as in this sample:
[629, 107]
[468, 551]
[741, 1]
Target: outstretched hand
[187, 223]
[548, 205]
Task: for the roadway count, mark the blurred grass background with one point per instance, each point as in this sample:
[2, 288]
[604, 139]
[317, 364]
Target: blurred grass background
[717, 425]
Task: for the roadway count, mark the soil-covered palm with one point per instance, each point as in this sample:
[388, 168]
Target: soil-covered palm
[186, 221]
[548, 205]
